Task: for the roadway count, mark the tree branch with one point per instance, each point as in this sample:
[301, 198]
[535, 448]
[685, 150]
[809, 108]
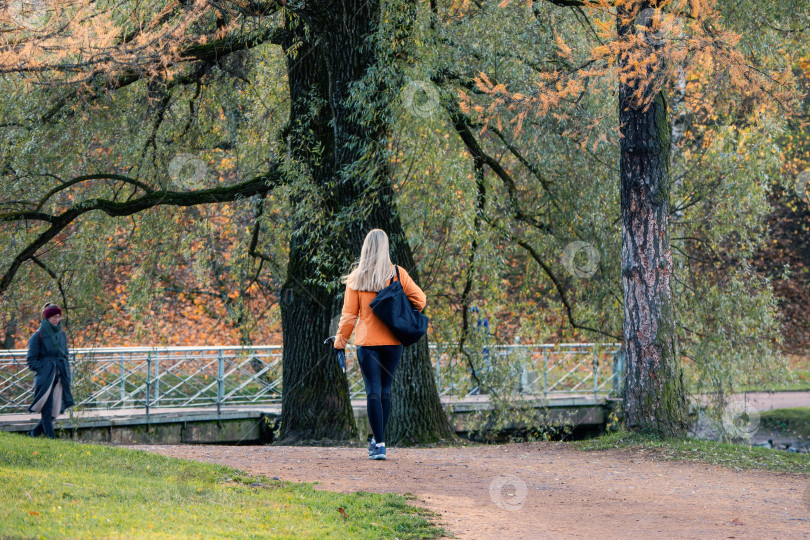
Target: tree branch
[86, 177]
[462, 126]
[461, 123]
[58, 223]
[561, 291]
[481, 201]
[58, 281]
[207, 53]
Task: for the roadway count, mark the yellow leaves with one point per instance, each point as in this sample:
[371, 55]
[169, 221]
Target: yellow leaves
[464, 104]
[519, 121]
[785, 77]
[483, 83]
[88, 36]
[564, 50]
[499, 88]
[605, 25]
[602, 138]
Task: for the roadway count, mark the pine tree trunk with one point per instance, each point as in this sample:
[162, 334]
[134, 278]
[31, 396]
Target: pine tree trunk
[654, 398]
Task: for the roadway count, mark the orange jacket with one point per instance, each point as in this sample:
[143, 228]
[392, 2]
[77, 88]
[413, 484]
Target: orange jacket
[370, 330]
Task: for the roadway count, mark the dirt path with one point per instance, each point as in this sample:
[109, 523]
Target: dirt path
[766, 401]
[546, 490]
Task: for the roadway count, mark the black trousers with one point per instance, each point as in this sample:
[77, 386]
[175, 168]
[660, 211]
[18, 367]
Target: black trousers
[379, 364]
[45, 425]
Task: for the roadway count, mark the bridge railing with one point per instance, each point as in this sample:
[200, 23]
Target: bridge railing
[160, 377]
[535, 369]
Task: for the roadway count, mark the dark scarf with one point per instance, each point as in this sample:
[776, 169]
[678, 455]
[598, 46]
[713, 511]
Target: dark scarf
[49, 331]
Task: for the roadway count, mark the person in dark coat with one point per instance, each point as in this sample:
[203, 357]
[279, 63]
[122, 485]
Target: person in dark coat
[48, 358]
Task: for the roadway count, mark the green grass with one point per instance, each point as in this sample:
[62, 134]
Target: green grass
[787, 421]
[800, 383]
[729, 455]
[54, 488]
[798, 378]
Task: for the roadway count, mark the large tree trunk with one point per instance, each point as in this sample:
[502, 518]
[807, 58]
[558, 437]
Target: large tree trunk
[654, 398]
[315, 402]
[417, 415]
[347, 32]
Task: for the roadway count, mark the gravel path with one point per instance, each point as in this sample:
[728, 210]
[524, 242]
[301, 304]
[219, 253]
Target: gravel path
[546, 490]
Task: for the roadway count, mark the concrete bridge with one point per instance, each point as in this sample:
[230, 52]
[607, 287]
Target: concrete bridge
[233, 394]
[255, 424]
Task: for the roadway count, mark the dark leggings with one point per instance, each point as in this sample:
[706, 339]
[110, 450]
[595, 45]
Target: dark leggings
[378, 364]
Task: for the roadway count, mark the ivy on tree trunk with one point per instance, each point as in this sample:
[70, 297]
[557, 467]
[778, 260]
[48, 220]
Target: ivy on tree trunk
[354, 180]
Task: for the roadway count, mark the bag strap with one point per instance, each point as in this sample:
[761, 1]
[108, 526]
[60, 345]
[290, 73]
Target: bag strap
[396, 269]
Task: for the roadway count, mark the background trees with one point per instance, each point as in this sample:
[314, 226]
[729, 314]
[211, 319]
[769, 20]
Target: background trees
[335, 171]
[662, 56]
[486, 139]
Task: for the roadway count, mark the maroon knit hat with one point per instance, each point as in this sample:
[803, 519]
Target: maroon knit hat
[50, 311]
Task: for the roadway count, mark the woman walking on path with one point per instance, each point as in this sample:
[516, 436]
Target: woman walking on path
[48, 358]
[378, 351]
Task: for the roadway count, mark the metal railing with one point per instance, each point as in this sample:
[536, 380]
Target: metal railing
[160, 377]
[538, 369]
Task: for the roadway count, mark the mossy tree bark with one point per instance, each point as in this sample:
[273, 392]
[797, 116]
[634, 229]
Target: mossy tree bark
[416, 412]
[417, 415]
[315, 402]
[355, 183]
[654, 397]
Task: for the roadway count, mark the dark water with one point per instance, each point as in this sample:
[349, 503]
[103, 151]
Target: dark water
[748, 429]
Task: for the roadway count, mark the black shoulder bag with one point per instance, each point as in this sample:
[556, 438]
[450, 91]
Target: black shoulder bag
[394, 309]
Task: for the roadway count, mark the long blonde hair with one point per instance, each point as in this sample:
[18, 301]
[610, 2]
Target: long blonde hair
[372, 271]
